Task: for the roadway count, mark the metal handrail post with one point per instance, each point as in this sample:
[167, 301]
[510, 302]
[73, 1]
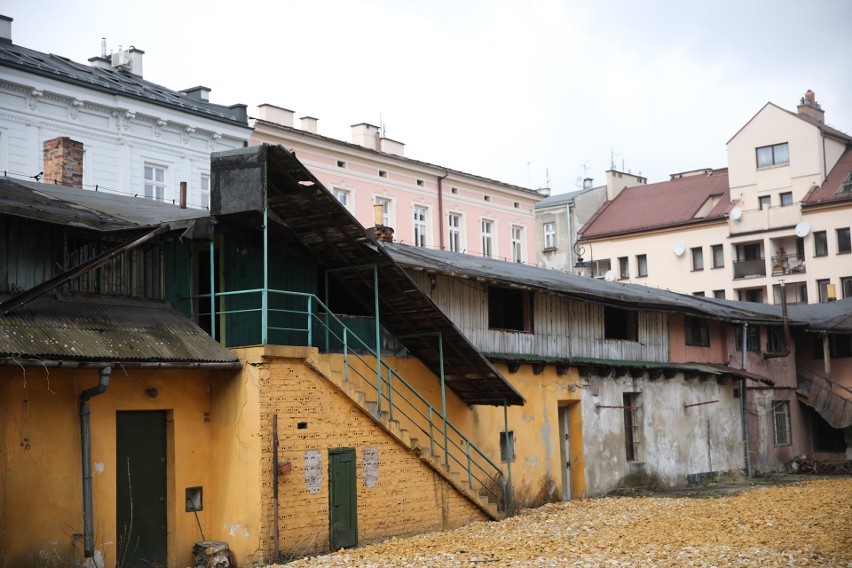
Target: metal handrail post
[378, 327]
[264, 314]
[469, 473]
[311, 323]
[510, 452]
[213, 287]
[431, 433]
[328, 301]
[390, 392]
[345, 354]
[443, 399]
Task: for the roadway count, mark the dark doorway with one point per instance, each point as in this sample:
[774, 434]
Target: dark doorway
[141, 488]
[343, 512]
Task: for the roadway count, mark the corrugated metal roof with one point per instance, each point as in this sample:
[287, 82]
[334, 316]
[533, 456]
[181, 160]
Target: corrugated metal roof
[114, 82]
[829, 316]
[563, 198]
[827, 192]
[591, 289]
[88, 209]
[659, 205]
[79, 328]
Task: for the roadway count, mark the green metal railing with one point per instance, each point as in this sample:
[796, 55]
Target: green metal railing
[303, 319]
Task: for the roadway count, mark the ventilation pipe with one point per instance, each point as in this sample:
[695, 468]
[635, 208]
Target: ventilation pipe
[86, 444]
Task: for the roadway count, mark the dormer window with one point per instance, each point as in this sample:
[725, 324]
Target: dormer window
[776, 155]
[846, 186]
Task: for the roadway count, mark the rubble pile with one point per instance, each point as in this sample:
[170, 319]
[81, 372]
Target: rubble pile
[805, 524]
[806, 465]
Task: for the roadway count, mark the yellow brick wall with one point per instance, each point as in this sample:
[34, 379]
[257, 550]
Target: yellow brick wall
[409, 496]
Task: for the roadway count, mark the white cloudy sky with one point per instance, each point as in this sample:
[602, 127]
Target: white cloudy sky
[514, 90]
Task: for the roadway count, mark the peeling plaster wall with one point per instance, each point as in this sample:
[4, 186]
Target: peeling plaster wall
[673, 442]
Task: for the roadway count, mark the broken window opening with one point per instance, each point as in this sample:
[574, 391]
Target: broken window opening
[510, 309]
[631, 425]
[621, 324]
[507, 446]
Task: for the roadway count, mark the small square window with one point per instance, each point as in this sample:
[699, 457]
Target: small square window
[718, 256]
[844, 243]
[454, 190]
[420, 183]
[341, 164]
[764, 202]
[486, 198]
[642, 265]
[720, 294]
[696, 331]
[697, 259]
[786, 198]
[383, 174]
[517, 205]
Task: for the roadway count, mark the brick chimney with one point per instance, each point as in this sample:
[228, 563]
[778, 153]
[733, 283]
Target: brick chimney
[383, 233]
[810, 108]
[63, 162]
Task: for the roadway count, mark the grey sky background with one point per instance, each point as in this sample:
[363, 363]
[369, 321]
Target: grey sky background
[518, 91]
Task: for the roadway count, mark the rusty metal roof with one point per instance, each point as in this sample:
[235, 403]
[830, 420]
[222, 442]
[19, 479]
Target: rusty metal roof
[89, 329]
[827, 193]
[247, 179]
[660, 205]
[88, 209]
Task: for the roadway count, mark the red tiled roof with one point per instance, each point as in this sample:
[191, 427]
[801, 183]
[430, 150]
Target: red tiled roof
[659, 205]
[827, 192]
[825, 129]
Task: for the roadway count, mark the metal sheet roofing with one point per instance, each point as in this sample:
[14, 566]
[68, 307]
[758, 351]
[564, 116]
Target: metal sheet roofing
[338, 241]
[88, 209]
[830, 316]
[114, 82]
[660, 205]
[827, 193]
[592, 289]
[89, 329]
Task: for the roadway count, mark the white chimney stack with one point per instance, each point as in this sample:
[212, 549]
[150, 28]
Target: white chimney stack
[5, 29]
[275, 114]
[366, 135]
[309, 124]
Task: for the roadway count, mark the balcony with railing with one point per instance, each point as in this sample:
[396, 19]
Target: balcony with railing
[783, 264]
[752, 268]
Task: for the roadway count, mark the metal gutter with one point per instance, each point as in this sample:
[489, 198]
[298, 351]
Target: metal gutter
[66, 364]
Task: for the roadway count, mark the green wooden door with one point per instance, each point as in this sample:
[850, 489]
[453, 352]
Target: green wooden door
[141, 488]
[343, 512]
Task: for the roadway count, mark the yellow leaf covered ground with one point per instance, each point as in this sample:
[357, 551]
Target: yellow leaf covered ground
[806, 524]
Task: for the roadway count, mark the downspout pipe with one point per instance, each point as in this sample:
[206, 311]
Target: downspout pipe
[743, 406]
[86, 444]
[441, 210]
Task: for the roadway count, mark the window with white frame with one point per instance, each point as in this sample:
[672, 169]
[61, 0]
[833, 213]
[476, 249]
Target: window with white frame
[386, 206]
[342, 195]
[517, 244]
[775, 155]
[204, 190]
[549, 236]
[487, 238]
[420, 226]
[454, 220]
[155, 182]
[781, 422]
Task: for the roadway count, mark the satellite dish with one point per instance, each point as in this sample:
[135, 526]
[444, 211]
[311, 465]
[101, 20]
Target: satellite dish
[609, 276]
[679, 249]
[802, 229]
[736, 213]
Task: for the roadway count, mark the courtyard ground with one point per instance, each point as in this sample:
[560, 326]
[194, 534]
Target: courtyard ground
[768, 521]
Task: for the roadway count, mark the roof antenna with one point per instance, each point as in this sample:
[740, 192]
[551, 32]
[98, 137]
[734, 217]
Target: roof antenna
[103, 47]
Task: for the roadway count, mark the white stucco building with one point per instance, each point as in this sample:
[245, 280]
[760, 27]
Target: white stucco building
[779, 215]
[138, 138]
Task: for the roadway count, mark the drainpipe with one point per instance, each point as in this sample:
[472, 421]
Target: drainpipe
[568, 208]
[86, 444]
[441, 210]
[743, 408]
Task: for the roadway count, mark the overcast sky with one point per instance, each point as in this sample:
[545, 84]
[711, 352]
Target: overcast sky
[520, 91]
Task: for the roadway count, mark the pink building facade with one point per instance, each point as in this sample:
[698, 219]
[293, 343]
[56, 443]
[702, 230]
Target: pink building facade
[426, 205]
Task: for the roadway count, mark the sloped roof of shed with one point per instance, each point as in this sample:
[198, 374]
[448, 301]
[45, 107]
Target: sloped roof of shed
[337, 241]
[91, 329]
[88, 209]
[660, 205]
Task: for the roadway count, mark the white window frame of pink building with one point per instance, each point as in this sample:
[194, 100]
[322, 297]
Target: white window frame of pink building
[455, 223]
[517, 243]
[344, 196]
[385, 202]
[488, 248]
[420, 216]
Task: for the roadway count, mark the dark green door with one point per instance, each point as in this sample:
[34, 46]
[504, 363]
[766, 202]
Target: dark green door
[343, 512]
[141, 488]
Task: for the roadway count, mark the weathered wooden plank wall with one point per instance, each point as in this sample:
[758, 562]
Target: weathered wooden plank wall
[563, 327]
